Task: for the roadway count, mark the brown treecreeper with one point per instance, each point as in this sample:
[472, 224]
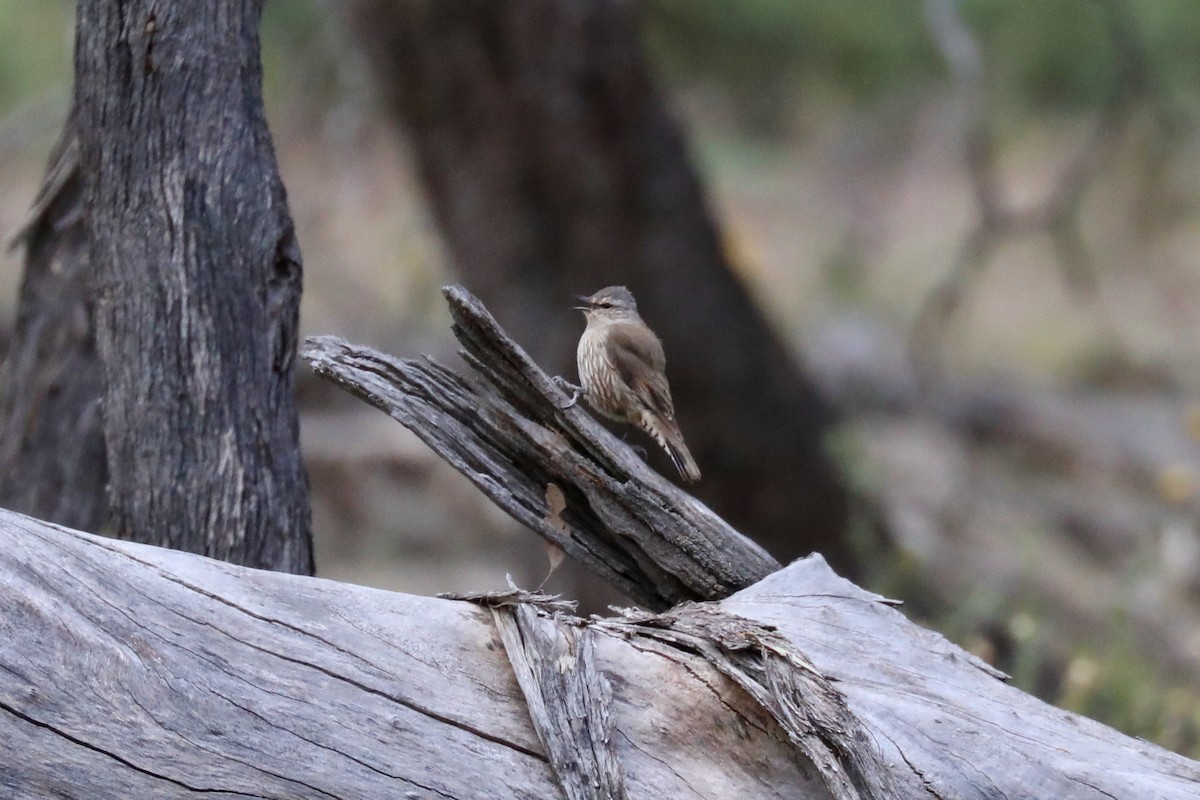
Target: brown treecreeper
[622, 370]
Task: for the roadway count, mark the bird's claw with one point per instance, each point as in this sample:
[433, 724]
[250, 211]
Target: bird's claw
[565, 385]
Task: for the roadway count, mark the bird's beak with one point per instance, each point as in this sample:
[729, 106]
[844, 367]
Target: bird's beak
[587, 303]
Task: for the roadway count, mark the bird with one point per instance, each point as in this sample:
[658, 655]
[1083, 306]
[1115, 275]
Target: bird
[622, 372]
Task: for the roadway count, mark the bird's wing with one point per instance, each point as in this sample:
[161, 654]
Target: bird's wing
[638, 357]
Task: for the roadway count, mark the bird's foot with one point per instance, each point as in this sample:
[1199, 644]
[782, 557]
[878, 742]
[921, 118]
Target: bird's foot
[636, 448]
[576, 392]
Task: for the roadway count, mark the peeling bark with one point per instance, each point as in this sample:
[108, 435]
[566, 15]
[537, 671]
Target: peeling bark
[569, 700]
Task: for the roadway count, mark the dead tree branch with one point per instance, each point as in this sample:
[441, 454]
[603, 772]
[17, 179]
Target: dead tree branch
[505, 429]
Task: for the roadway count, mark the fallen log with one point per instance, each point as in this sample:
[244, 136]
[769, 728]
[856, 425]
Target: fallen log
[130, 671]
[133, 671]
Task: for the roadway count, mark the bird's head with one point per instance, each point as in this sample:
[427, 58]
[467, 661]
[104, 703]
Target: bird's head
[612, 302]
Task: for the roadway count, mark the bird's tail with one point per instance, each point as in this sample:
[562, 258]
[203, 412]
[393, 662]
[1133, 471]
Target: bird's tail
[669, 438]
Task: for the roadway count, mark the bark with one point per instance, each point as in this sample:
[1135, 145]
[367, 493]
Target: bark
[569, 699]
[133, 671]
[196, 273]
[554, 169]
[52, 459]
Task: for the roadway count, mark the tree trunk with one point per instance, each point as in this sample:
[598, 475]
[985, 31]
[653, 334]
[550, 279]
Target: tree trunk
[555, 169]
[52, 460]
[196, 273]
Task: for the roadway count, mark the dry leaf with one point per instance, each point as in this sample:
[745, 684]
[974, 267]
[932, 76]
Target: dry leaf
[556, 555]
[556, 503]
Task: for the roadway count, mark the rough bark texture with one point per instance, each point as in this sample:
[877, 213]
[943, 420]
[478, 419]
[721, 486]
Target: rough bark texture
[555, 169]
[569, 700]
[132, 671]
[52, 460]
[197, 277]
[505, 430]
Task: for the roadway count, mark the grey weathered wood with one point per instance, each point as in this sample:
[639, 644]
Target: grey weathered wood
[552, 655]
[504, 428]
[133, 671]
[805, 703]
[569, 700]
[940, 716]
[196, 274]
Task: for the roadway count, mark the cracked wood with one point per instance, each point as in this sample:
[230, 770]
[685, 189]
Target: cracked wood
[570, 701]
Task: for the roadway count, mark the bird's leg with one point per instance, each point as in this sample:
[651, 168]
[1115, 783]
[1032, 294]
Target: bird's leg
[576, 392]
[636, 448]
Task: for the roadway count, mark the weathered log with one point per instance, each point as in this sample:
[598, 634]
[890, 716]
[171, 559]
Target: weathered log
[505, 430]
[133, 671]
[130, 671]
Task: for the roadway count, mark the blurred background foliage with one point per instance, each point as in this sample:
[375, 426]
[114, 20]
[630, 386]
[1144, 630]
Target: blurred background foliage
[1042, 57]
[1046, 56]
[832, 142]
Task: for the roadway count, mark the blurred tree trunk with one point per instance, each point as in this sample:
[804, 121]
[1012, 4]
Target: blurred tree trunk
[52, 460]
[196, 276]
[554, 169]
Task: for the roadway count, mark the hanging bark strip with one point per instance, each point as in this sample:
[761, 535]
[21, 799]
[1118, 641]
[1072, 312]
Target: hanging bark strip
[569, 698]
[570, 701]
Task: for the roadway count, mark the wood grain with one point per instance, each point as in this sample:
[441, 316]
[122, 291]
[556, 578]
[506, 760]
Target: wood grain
[133, 671]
